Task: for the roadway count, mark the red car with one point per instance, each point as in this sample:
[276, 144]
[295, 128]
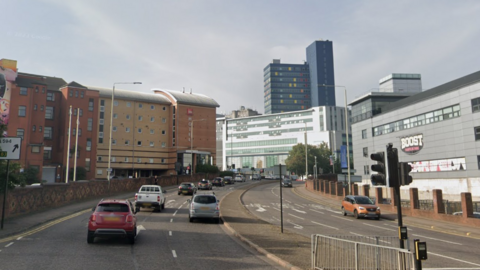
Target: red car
[113, 218]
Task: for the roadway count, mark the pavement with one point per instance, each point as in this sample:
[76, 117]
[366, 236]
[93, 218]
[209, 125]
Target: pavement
[288, 249]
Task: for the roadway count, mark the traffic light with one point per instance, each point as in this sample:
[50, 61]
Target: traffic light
[381, 177]
[392, 156]
[405, 178]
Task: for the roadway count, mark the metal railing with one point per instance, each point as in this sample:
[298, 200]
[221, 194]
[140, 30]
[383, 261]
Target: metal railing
[336, 253]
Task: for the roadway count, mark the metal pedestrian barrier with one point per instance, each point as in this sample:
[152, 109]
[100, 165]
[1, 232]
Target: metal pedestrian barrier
[339, 252]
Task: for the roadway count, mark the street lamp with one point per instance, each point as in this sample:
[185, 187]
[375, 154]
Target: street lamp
[346, 131]
[109, 170]
[191, 145]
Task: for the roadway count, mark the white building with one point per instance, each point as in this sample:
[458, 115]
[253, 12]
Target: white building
[265, 140]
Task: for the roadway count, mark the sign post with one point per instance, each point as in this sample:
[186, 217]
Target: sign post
[9, 149]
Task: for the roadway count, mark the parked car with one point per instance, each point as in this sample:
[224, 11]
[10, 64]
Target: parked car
[360, 206]
[228, 180]
[239, 178]
[218, 181]
[256, 177]
[112, 218]
[286, 183]
[187, 188]
[475, 214]
[150, 196]
[204, 206]
[205, 184]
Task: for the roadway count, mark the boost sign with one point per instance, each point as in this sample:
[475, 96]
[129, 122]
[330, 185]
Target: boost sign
[412, 144]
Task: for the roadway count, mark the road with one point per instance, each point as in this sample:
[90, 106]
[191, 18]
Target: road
[165, 240]
[305, 217]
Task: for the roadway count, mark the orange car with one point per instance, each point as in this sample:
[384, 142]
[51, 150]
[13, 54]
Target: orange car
[360, 206]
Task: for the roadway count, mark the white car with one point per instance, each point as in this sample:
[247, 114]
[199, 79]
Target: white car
[239, 178]
[204, 206]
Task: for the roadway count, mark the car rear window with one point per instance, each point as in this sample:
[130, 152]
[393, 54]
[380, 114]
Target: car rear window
[185, 185]
[204, 182]
[150, 189]
[112, 207]
[205, 199]
[363, 200]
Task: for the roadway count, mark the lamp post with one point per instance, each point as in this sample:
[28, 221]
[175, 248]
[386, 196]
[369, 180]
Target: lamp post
[191, 145]
[109, 170]
[346, 131]
[306, 151]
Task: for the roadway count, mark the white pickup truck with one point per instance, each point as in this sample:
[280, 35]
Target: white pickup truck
[150, 196]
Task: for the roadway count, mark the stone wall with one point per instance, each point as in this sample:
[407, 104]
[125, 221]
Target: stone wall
[24, 200]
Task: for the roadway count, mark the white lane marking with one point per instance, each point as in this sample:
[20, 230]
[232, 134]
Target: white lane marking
[342, 218]
[455, 259]
[324, 225]
[275, 218]
[170, 201]
[299, 205]
[379, 227]
[296, 226]
[438, 239]
[11, 243]
[276, 208]
[333, 211]
[368, 237]
[174, 253]
[260, 209]
[140, 228]
[175, 212]
[170, 233]
[296, 216]
[299, 211]
[288, 201]
[317, 211]
[19, 238]
[171, 220]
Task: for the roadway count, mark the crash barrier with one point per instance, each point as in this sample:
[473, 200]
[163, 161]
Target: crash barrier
[332, 252]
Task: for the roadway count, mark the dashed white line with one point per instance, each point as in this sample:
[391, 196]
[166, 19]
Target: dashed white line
[175, 213]
[324, 225]
[430, 253]
[174, 253]
[438, 239]
[317, 211]
[296, 216]
[11, 243]
[276, 208]
[171, 220]
[342, 218]
[170, 233]
[299, 205]
[19, 238]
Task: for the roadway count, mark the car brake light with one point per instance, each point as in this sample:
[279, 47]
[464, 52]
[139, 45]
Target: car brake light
[179, 186]
[216, 208]
[136, 196]
[158, 198]
[189, 187]
[93, 218]
[129, 218]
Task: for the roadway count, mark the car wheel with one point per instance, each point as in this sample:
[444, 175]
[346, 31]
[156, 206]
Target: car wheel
[378, 217]
[344, 212]
[163, 205]
[355, 214]
[159, 208]
[190, 219]
[90, 237]
[137, 209]
[179, 193]
[131, 239]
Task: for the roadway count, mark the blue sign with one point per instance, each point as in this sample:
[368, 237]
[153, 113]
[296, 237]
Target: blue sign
[343, 156]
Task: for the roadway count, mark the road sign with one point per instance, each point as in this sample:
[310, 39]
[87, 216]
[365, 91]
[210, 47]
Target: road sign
[351, 171]
[10, 147]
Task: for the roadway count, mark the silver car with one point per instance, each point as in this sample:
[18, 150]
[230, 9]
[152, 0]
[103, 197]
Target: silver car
[204, 206]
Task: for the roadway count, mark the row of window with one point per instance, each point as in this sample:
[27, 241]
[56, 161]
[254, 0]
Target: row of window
[270, 124]
[271, 150]
[262, 143]
[270, 133]
[129, 104]
[139, 143]
[24, 90]
[140, 130]
[126, 159]
[270, 118]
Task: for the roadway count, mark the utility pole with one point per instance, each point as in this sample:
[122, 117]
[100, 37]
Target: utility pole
[306, 158]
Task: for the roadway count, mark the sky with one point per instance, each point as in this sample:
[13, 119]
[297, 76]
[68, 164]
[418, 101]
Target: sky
[219, 48]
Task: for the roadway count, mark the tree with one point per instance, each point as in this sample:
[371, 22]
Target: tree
[31, 175]
[296, 158]
[14, 178]
[81, 174]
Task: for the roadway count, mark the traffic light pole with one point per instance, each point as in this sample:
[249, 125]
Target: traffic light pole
[398, 202]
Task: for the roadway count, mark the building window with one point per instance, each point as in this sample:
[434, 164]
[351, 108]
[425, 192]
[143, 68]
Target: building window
[164, 144]
[79, 132]
[47, 154]
[151, 144]
[126, 159]
[34, 128]
[49, 113]
[70, 93]
[129, 104]
[43, 90]
[163, 160]
[140, 118]
[100, 140]
[364, 134]
[36, 89]
[164, 108]
[128, 116]
[127, 142]
[476, 105]
[102, 102]
[152, 107]
[35, 107]
[40, 128]
[127, 129]
[20, 132]
[22, 111]
[99, 158]
[152, 119]
[164, 120]
[366, 170]
[115, 116]
[114, 142]
[140, 105]
[81, 112]
[151, 160]
[90, 104]
[139, 143]
[81, 94]
[477, 133]
[365, 151]
[87, 164]
[114, 128]
[139, 130]
[164, 132]
[152, 131]
[41, 108]
[89, 145]
[48, 133]
[50, 96]
[99, 171]
[35, 149]
[89, 124]
[76, 93]
[139, 160]
[74, 132]
[23, 91]
[114, 159]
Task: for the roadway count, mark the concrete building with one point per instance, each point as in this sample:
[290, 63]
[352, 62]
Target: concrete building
[242, 112]
[294, 87]
[436, 131]
[265, 140]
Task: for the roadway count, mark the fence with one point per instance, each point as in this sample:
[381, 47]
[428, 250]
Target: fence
[333, 252]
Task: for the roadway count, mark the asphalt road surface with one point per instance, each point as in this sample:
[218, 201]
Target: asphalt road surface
[302, 216]
[165, 240]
